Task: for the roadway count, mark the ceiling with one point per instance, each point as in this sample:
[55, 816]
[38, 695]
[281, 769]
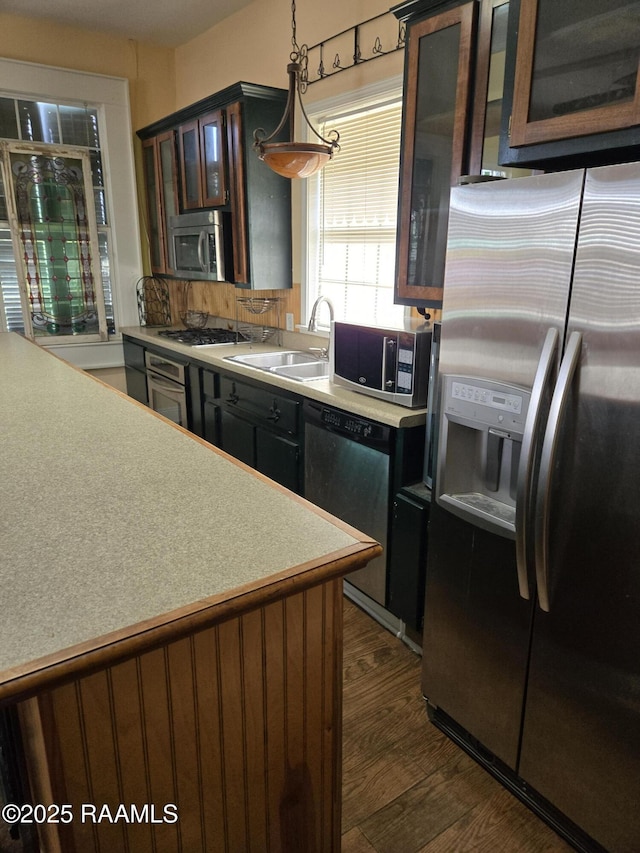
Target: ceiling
[164, 22]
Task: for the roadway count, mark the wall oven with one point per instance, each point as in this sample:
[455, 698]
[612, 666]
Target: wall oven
[166, 385]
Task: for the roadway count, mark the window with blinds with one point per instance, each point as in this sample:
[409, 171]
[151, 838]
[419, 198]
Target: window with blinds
[352, 214]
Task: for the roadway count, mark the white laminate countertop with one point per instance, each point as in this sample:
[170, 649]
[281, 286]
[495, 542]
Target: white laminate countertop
[112, 516]
[321, 390]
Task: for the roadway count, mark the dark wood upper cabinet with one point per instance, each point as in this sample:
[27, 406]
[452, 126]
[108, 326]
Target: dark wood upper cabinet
[210, 144]
[238, 200]
[576, 69]
[454, 78]
[572, 90]
[488, 89]
[203, 162]
[160, 173]
[438, 74]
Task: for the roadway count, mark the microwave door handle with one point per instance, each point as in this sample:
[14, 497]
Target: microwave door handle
[547, 461]
[388, 364]
[530, 442]
[201, 239]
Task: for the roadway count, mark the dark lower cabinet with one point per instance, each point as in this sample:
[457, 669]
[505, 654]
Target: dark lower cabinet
[256, 424]
[137, 385]
[408, 556]
[135, 371]
[238, 437]
[211, 416]
[280, 458]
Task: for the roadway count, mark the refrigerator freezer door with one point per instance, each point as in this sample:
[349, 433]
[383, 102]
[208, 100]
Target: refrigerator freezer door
[509, 265]
[581, 735]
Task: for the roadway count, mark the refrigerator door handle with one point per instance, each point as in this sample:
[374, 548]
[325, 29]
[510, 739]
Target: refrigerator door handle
[547, 460]
[530, 439]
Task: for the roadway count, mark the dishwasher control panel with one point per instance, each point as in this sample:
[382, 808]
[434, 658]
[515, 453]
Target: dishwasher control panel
[359, 428]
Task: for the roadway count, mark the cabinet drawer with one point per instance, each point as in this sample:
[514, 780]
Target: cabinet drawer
[265, 404]
[133, 354]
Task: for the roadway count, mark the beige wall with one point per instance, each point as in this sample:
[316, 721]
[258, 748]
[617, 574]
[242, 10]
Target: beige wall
[254, 45]
[150, 69]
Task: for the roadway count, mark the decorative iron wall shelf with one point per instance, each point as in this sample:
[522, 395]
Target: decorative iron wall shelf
[358, 44]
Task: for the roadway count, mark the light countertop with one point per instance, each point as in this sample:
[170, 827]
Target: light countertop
[321, 390]
[114, 521]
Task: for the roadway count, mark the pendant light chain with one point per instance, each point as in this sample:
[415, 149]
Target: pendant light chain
[299, 54]
[295, 53]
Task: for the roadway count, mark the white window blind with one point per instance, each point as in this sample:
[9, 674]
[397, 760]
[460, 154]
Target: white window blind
[352, 215]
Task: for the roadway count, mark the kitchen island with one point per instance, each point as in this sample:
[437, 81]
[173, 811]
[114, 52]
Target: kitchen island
[171, 629]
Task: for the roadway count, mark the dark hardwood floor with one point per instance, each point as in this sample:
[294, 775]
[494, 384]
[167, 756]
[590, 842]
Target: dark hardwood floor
[406, 787]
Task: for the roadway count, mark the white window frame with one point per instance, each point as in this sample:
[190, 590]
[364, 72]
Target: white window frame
[363, 98]
[77, 154]
[31, 81]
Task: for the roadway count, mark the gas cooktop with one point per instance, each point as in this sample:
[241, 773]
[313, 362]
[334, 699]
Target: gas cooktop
[203, 337]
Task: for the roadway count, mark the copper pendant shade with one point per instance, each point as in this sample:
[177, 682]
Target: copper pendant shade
[295, 159]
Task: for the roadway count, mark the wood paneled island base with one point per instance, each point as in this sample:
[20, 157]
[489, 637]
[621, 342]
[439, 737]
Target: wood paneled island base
[226, 740]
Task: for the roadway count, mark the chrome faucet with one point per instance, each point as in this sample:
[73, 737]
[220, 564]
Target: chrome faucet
[312, 320]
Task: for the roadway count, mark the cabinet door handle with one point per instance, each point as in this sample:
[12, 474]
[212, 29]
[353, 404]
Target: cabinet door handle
[233, 397]
[274, 413]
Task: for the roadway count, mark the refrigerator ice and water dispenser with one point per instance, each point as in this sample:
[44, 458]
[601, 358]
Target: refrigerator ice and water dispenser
[479, 451]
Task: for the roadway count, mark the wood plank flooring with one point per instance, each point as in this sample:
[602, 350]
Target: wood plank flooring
[406, 787]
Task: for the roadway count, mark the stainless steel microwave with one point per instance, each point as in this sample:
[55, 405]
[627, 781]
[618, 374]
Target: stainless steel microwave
[385, 362]
[196, 248]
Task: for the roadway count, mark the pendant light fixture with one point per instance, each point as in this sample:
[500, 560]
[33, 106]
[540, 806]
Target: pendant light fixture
[295, 159]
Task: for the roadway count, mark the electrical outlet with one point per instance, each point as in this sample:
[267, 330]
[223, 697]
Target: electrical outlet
[289, 322]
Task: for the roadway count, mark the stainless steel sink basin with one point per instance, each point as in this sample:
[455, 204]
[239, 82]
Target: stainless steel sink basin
[304, 372]
[267, 360]
[294, 364]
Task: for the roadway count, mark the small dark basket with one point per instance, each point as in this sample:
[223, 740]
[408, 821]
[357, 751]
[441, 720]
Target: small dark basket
[194, 319]
[154, 308]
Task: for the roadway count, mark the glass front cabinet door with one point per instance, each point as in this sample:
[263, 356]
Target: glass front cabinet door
[571, 88]
[438, 74]
[576, 69]
[202, 162]
[160, 172]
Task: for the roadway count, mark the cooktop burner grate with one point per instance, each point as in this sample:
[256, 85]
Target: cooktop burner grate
[198, 337]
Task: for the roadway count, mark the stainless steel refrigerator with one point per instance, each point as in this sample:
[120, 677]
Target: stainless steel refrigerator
[532, 616]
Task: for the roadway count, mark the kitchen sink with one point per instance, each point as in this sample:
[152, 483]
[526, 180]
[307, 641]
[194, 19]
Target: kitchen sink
[267, 360]
[294, 364]
[304, 372]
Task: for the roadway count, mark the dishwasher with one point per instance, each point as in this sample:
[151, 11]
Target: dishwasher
[347, 469]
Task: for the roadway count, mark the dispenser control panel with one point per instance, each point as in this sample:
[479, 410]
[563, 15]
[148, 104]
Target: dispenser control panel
[487, 397]
[485, 404]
